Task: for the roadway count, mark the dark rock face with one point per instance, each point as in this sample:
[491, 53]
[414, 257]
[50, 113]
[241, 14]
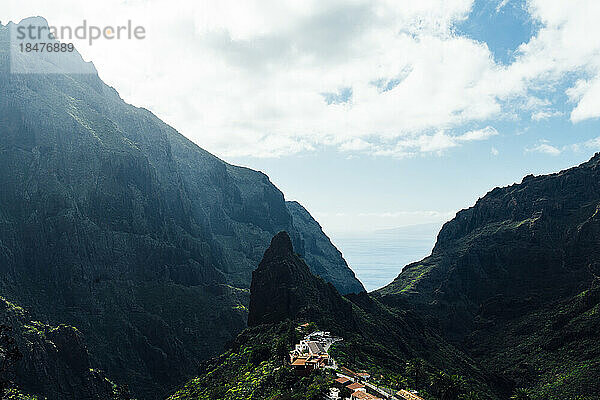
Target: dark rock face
[55, 362]
[509, 264]
[113, 222]
[530, 242]
[324, 259]
[284, 288]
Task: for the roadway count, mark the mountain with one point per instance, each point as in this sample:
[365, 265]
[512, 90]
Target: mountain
[284, 294]
[112, 221]
[509, 299]
[513, 281]
[51, 361]
[284, 288]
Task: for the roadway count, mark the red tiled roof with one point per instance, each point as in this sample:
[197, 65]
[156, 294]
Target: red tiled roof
[355, 385]
[364, 395]
[342, 380]
[408, 395]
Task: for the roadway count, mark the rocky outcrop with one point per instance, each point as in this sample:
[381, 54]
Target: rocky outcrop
[284, 292]
[529, 243]
[502, 271]
[54, 362]
[284, 288]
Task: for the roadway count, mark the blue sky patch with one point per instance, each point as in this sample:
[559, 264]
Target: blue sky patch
[344, 95]
[502, 24]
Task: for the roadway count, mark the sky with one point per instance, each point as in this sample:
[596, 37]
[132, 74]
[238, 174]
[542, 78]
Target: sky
[373, 114]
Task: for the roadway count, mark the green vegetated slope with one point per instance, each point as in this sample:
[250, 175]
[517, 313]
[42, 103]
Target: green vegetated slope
[40, 361]
[112, 221]
[254, 368]
[376, 338]
[514, 282]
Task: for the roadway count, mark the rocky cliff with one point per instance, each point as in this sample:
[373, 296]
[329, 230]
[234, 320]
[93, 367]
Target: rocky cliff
[113, 222]
[324, 259]
[54, 362]
[284, 288]
[504, 273]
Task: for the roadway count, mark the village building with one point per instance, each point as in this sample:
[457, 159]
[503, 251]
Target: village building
[334, 394]
[342, 380]
[357, 386]
[311, 353]
[359, 395]
[406, 395]
[349, 373]
[364, 376]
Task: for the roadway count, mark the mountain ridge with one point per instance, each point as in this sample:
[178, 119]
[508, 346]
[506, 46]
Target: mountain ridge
[521, 260]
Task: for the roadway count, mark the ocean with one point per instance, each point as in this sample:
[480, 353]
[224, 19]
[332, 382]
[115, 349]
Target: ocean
[378, 257]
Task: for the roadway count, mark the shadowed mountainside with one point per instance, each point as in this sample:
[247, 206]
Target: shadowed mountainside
[54, 360]
[513, 280]
[112, 221]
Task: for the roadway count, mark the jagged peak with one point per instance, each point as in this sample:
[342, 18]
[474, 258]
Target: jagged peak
[44, 62]
[281, 245]
[595, 160]
[284, 288]
[35, 21]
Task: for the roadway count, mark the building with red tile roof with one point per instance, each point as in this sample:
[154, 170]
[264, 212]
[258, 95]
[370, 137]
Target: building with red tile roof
[356, 386]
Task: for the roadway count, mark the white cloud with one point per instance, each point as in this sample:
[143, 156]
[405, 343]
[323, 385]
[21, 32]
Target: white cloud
[545, 114]
[435, 143]
[481, 134]
[589, 102]
[402, 214]
[246, 78]
[355, 145]
[544, 148]
[495, 151]
[501, 5]
[592, 144]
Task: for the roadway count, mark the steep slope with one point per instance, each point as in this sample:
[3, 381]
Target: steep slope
[54, 361]
[284, 288]
[513, 280]
[112, 221]
[253, 368]
[375, 336]
[324, 258]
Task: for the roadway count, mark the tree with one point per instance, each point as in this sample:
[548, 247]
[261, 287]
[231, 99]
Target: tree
[416, 370]
[122, 393]
[259, 354]
[281, 349]
[291, 336]
[9, 355]
[470, 396]
[521, 394]
[447, 387]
